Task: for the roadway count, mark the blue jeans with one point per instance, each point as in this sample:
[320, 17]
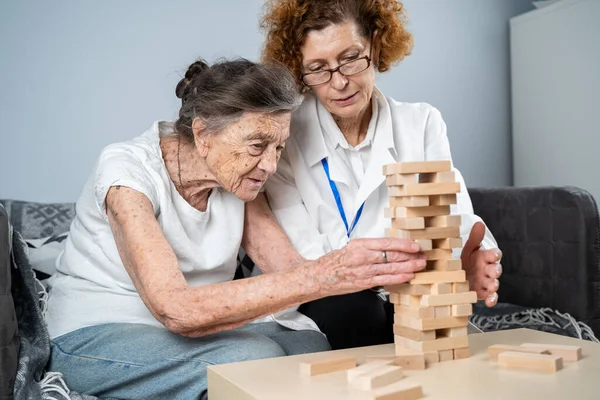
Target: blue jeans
[132, 361]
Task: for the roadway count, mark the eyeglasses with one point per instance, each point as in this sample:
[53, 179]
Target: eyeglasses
[346, 69]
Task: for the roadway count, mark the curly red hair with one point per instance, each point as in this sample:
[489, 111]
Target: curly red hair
[287, 22]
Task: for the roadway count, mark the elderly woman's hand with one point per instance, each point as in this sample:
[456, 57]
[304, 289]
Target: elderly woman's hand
[483, 267]
[367, 263]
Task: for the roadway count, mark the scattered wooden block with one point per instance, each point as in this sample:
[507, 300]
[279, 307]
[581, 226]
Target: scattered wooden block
[367, 367]
[433, 345]
[442, 200]
[462, 310]
[410, 212]
[424, 189]
[442, 221]
[529, 361]
[406, 288]
[401, 179]
[432, 177]
[447, 243]
[377, 378]
[417, 167]
[446, 355]
[452, 332]
[428, 277]
[409, 201]
[427, 233]
[438, 254]
[427, 324]
[439, 288]
[413, 334]
[448, 299]
[326, 366]
[398, 391]
[464, 352]
[408, 223]
[568, 353]
[442, 311]
[460, 287]
[414, 312]
[413, 361]
[497, 349]
[444, 265]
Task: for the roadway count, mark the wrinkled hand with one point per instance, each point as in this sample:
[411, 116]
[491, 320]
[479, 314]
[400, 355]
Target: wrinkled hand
[482, 267]
[361, 265]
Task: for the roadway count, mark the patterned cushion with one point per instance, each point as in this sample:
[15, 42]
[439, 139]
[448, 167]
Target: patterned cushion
[39, 220]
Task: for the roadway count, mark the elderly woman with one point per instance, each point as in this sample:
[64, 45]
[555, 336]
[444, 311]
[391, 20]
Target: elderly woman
[144, 299]
[329, 186]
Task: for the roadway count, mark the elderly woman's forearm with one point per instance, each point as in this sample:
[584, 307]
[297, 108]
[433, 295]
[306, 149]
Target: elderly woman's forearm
[198, 311]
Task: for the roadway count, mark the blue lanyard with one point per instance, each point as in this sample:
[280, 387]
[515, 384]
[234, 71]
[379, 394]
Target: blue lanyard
[338, 200]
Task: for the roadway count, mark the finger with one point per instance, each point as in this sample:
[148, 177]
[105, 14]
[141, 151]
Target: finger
[388, 280]
[475, 237]
[491, 300]
[404, 267]
[492, 285]
[492, 255]
[389, 244]
[398, 256]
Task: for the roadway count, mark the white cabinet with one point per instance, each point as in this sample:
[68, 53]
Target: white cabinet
[555, 75]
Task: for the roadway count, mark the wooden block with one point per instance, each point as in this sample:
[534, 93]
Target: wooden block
[568, 353]
[438, 254]
[444, 265]
[442, 200]
[431, 300]
[442, 311]
[424, 244]
[496, 349]
[462, 310]
[447, 243]
[427, 233]
[377, 378]
[414, 361]
[422, 278]
[413, 334]
[401, 179]
[530, 362]
[407, 288]
[433, 345]
[410, 212]
[427, 324]
[464, 352]
[409, 201]
[398, 391]
[431, 357]
[405, 300]
[417, 167]
[414, 312]
[424, 189]
[367, 367]
[442, 220]
[326, 366]
[445, 176]
[440, 288]
[408, 223]
[452, 332]
[446, 355]
[460, 287]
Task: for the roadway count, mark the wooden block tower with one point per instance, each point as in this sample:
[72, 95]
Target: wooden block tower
[431, 311]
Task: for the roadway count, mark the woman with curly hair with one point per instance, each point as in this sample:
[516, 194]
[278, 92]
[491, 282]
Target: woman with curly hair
[329, 187]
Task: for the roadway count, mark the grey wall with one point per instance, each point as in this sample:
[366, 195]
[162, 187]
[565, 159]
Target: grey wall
[78, 75]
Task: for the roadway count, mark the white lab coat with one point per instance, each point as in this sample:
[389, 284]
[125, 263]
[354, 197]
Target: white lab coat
[301, 197]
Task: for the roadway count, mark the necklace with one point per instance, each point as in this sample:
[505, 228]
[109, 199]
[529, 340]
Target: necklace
[179, 162]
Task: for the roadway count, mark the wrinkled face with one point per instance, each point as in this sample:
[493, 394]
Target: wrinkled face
[245, 154]
[342, 96]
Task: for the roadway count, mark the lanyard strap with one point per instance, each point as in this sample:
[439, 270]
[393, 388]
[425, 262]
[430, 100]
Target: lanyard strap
[338, 200]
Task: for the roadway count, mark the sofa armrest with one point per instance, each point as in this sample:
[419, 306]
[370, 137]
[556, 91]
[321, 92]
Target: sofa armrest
[550, 239]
